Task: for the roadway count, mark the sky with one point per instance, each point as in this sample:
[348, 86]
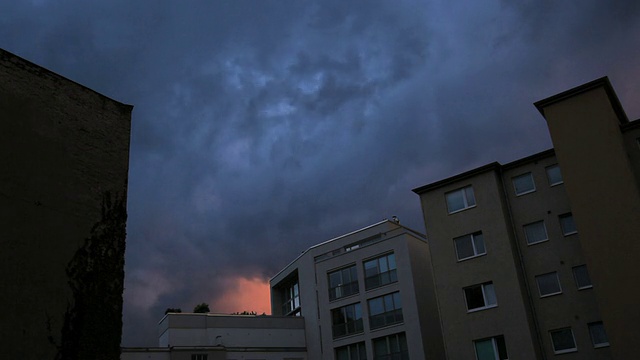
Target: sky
[261, 128]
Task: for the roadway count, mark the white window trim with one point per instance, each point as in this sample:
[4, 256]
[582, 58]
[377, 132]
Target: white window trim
[550, 294]
[557, 352]
[526, 238]
[515, 191]
[466, 201]
[484, 297]
[547, 172]
[473, 243]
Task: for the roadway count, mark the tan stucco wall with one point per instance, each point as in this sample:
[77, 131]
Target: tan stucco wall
[605, 199]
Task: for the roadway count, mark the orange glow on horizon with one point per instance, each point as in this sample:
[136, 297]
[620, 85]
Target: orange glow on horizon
[246, 295]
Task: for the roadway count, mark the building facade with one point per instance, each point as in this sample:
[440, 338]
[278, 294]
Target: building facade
[367, 294]
[63, 193]
[520, 265]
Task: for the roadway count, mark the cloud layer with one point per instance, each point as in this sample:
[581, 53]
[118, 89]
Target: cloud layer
[262, 128]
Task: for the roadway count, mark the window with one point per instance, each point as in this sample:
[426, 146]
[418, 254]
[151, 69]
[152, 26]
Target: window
[385, 310]
[291, 296]
[355, 351]
[563, 341]
[523, 184]
[548, 284]
[491, 349]
[380, 271]
[598, 335]
[199, 356]
[535, 232]
[392, 347]
[567, 224]
[479, 297]
[469, 246]
[460, 199]
[553, 175]
[581, 275]
[347, 320]
[343, 282]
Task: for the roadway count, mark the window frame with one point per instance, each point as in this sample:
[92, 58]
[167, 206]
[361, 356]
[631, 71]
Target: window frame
[557, 282]
[199, 356]
[575, 277]
[567, 350]
[465, 199]
[562, 224]
[359, 347]
[352, 287]
[401, 339]
[358, 326]
[392, 272]
[552, 167]
[483, 287]
[601, 325]
[472, 237]
[522, 176]
[495, 342]
[395, 312]
[291, 298]
[526, 236]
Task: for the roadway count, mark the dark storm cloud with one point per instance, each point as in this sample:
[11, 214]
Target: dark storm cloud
[262, 128]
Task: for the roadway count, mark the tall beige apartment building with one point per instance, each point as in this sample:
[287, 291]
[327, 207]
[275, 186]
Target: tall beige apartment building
[535, 258]
[364, 295]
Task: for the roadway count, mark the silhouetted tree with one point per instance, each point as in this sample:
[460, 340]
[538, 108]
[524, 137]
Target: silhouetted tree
[201, 308]
[172, 310]
[245, 313]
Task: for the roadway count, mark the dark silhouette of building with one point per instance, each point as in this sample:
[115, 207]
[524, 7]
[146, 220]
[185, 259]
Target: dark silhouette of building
[64, 160]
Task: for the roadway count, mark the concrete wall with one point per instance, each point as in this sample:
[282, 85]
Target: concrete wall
[601, 181]
[63, 191]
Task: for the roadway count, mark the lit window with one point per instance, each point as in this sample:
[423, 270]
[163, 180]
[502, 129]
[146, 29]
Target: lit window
[343, 282]
[583, 281]
[479, 297]
[523, 184]
[385, 310]
[469, 246]
[491, 349]
[380, 271]
[460, 199]
[355, 351]
[553, 175]
[548, 284]
[598, 335]
[347, 320]
[567, 224]
[535, 232]
[563, 341]
[391, 347]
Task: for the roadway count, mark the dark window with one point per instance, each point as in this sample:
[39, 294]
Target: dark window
[523, 184]
[380, 271]
[548, 284]
[563, 341]
[199, 356]
[291, 296]
[355, 351]
[385, 310]
[491, 349]
[347, 320]
[343, 282]
[567, 224]
[583, 281]
[469, 246]
[481, 296]
[598, 335]
[392, 347]
[553, 175]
